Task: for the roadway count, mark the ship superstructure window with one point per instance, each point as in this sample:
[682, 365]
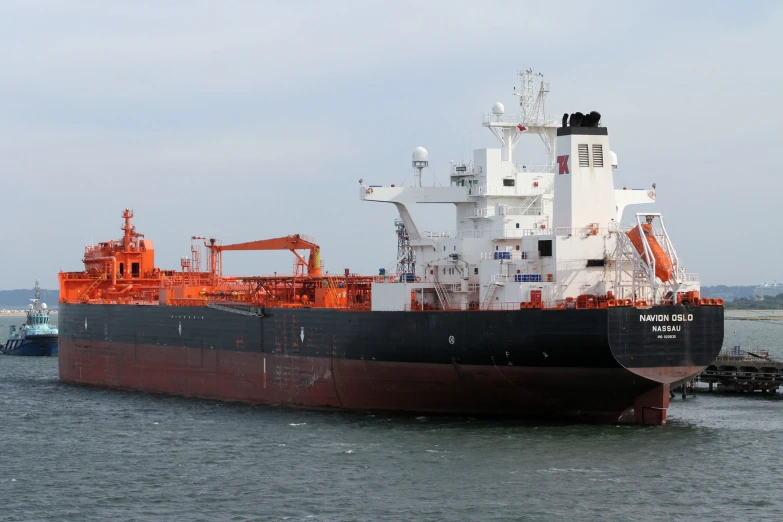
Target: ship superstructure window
[584, 160]
[508, 182]
[596, 262]
[122, 268]
[135, 270]
[598, 155]
[545, 246]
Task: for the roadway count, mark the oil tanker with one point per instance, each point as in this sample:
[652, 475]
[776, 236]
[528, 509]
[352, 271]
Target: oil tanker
[540, 303]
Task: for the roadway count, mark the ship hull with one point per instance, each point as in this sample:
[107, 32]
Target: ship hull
[589, 365]
[36, 345]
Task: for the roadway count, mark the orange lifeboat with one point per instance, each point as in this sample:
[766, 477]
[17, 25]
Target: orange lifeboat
[663, 265]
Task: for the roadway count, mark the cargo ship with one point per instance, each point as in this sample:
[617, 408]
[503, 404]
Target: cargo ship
[540, 304]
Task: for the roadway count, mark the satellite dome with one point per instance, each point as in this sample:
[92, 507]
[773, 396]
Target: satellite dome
[613, 157]
[420, 154]
[29, 307]
[43, 306]
[498, 109]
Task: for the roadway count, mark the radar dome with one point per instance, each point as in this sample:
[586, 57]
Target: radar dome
[420, 154]
[498, 109]
[29, 307]
[43, 306]
[613, 157]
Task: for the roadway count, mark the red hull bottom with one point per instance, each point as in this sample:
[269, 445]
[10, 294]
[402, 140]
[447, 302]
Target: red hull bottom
[586, 394]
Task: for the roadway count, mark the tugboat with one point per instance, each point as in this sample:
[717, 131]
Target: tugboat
[36, 336]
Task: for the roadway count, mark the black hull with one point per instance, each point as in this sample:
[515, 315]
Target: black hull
[584, 364]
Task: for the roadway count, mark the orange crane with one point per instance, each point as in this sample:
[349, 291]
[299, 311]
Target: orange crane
[293, 243]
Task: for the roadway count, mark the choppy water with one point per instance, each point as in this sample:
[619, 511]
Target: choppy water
[76, 453]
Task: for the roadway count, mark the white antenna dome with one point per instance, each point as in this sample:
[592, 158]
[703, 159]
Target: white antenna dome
[613, 157]
[498, 109]
[43, 306]
[29, 307]
[420, 157]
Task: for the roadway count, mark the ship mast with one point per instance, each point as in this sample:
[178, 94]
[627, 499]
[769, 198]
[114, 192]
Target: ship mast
[532, 118]
[129, 238]
[532, 102]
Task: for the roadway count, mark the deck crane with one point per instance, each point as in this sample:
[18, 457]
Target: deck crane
[293, 243]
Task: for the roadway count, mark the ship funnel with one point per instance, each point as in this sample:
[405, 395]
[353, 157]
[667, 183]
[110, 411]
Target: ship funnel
[584, 188]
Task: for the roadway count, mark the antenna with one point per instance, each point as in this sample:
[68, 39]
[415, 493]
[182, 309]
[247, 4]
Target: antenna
[420, 160]
[532, 98]
[532, 103]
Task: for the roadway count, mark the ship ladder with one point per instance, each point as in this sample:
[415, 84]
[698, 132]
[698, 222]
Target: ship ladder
[445, 303]
[490, 293]
[86, 294]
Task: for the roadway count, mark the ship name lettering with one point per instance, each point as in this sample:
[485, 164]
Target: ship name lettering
[677, 318]
[667, 328]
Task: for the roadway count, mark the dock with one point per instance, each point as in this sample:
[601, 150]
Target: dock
[741, 371]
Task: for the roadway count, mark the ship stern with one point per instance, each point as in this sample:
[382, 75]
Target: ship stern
[664, 345]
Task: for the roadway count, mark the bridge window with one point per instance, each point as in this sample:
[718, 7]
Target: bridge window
[508, 182]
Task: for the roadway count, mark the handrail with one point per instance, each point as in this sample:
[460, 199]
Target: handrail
[442, 295]
[507, 191]
[513, 255]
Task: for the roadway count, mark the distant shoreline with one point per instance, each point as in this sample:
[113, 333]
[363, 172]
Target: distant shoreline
[22, 314]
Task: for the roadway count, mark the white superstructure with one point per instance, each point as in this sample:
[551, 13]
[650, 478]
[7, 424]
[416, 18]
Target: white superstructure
[524, 234]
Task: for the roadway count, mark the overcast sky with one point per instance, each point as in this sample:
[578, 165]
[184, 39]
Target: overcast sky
[250, 120]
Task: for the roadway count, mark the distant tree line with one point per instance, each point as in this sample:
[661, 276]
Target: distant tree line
[19, 299]
[767, 303]
[727, 293]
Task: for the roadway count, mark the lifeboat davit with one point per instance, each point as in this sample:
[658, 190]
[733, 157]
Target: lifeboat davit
[663, 264]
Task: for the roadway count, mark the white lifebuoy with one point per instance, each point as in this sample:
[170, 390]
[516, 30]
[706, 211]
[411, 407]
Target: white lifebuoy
[368, 191]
